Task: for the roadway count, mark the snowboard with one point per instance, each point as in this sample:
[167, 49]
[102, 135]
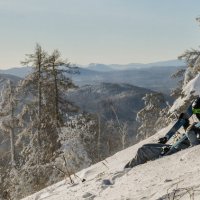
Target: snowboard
[179, 123]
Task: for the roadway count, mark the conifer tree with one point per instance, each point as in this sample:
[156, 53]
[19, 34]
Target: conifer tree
[37, 61]
[56, 78]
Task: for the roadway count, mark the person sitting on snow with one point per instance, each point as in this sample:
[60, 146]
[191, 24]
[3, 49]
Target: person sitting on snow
[155, 150]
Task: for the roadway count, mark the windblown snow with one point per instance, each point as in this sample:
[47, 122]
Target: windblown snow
[168, 178]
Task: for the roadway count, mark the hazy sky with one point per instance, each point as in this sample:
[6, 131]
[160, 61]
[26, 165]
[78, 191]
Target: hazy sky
[102, 31]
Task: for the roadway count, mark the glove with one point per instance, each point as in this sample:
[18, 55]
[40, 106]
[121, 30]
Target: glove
[162, 140]
[186, 124]
[181, 116]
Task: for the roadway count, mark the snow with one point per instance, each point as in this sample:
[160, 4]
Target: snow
[192, 88]
[155, 180]
[168, 178]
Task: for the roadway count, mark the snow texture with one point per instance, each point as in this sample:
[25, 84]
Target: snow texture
[155, 180]
[192, 88]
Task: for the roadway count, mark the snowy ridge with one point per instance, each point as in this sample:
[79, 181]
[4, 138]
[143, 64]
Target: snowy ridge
[154, 180]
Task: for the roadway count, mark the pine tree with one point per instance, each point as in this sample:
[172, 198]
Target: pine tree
[192, 59]
[56, 78]
[42, 113]
[43, 116]
[37, 61]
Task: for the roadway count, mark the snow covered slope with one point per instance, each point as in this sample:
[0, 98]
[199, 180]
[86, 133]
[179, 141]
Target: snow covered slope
[155, 180]
[169, 178]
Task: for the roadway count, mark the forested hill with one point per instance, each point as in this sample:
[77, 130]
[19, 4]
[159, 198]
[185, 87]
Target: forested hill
[98, 98]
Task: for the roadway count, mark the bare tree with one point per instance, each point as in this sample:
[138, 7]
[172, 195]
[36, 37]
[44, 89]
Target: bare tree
[123, 128]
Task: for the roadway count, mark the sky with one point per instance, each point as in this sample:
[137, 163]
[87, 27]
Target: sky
[98, 31]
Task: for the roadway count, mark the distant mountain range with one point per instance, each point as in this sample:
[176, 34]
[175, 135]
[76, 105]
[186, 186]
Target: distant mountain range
[155, 76]
[111, 67]
[17, 71]
[23, 71]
